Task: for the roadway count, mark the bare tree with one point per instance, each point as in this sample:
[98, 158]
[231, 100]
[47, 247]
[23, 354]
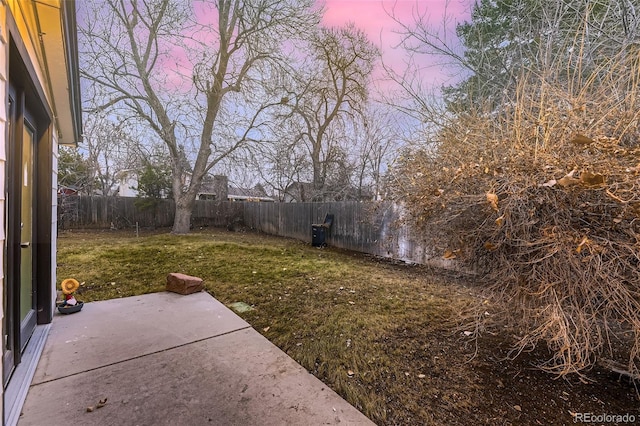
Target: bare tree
[332, 88]
[282, 162]
[131, 57]
[376, 138]
[110, 150]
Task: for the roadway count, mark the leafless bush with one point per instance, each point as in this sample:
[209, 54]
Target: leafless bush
[542, 198]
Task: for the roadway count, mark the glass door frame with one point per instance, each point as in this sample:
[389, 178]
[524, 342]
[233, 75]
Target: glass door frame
[27, 105]
[19, 323]
[27, 280]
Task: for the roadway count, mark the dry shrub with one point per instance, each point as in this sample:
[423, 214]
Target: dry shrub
[543, 199]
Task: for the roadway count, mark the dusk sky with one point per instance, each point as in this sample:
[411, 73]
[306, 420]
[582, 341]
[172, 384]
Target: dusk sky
[373, 17]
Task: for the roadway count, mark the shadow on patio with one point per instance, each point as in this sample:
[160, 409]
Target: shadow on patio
[166, 359]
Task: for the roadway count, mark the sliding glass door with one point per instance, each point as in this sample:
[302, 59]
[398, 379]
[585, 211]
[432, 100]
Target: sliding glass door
[20, 289]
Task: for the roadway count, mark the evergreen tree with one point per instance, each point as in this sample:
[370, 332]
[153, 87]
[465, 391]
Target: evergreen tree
[566, 40]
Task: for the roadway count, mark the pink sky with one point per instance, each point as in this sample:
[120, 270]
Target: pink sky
[372, 16]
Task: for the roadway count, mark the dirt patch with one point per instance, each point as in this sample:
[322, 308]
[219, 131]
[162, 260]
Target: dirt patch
[445, 377]
[492, 389]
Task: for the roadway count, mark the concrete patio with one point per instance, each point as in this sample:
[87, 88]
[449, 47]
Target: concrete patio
[166, 359]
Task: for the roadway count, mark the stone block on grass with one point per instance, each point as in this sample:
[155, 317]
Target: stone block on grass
[184, 284]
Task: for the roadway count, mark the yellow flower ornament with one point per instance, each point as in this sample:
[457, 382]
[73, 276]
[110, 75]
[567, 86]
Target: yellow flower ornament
[69, 285]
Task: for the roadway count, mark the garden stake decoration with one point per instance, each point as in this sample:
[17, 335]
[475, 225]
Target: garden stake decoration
[70, 304]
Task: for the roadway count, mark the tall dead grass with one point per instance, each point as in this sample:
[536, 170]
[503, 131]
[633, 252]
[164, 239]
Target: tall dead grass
[542, 197]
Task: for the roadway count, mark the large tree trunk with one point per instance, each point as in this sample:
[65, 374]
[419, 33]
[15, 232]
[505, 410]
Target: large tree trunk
[318, 181]
[182, 220]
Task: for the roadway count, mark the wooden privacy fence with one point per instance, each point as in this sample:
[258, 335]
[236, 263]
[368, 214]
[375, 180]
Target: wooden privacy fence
[86, 212]
[376, 228]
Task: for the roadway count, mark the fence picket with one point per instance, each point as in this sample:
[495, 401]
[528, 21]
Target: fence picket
[376, 228]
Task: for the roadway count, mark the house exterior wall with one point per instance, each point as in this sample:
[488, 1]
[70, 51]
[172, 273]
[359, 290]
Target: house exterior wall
[127, 185]
[43, 40]
[4, 71]
[25, 20]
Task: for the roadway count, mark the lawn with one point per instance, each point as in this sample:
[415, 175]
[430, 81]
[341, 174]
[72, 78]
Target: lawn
[386, 336]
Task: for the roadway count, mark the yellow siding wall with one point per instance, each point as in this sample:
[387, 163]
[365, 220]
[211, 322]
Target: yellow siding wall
[25, 20]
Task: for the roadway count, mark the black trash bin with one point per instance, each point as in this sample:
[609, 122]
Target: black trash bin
[318, 235]
[319, 232]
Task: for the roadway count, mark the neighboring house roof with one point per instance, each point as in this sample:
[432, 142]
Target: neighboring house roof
[127, 174]
[218, 187]
[68, 189]
[305, 192]
[256, 193]
[246, 192]
[214, 185]
[299, 191]
[208, 188]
